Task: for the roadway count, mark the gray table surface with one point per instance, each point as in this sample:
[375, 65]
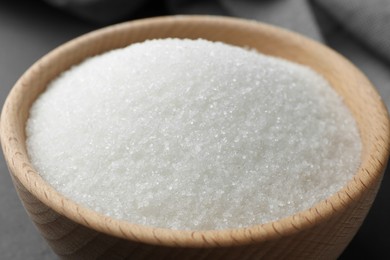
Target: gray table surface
[30, 29]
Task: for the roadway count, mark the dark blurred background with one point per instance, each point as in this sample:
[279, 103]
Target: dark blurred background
[358, 29]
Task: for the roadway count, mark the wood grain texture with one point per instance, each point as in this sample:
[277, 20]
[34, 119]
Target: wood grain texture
[321, 232]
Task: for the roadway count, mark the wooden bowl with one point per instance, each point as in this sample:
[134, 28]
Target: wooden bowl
[322, 231]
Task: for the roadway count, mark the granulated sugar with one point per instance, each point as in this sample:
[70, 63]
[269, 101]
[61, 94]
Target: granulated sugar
[190, 134]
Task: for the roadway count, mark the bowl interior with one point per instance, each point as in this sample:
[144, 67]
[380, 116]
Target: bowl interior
[358, 94]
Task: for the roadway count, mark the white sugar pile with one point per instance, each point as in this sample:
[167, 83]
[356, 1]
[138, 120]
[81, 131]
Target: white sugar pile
[191, 134]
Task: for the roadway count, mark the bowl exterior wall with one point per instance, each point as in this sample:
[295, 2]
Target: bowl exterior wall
[321, 232]
[70, 240]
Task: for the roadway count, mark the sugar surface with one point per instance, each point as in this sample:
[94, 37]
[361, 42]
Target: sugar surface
[191, 134]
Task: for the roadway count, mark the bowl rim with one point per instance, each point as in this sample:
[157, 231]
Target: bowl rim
[21, 169]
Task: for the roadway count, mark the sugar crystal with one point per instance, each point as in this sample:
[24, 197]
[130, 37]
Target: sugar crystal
[192, 134]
